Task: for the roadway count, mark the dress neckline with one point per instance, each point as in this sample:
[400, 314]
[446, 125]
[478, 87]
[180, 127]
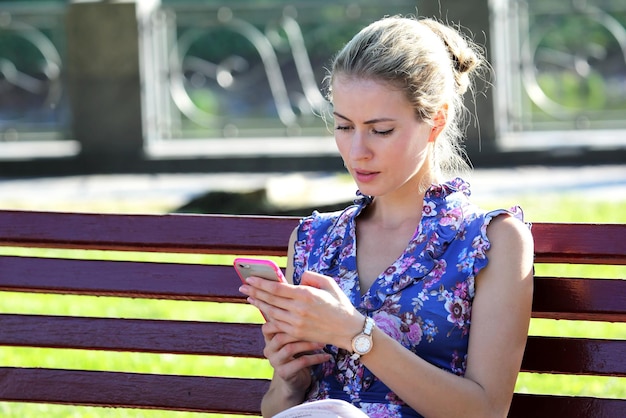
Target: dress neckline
[441, 219]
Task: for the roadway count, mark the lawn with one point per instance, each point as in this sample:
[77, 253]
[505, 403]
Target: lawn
[552, 208]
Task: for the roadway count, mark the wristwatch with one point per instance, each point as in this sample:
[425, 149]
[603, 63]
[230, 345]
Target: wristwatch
[362, 343]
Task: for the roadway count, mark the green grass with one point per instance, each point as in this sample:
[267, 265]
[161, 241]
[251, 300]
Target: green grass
[549, 208]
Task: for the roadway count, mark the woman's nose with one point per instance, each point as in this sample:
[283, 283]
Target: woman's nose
[359, 149]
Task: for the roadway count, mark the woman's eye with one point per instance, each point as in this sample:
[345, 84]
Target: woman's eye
[383, 133]
[342, 128]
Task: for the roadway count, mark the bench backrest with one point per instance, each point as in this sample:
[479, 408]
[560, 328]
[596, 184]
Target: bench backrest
[555, 297]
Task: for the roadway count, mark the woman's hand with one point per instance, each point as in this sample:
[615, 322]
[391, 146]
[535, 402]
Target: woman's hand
[315, 311]
[291, 358]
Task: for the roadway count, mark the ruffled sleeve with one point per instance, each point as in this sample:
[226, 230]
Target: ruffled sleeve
[481, 242]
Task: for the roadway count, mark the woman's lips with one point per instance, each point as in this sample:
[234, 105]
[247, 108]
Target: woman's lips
[365, 176]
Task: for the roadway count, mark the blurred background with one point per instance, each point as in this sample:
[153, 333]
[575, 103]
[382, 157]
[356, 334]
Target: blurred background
[213, 88]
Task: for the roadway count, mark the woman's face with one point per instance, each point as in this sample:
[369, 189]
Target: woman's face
[383, 145]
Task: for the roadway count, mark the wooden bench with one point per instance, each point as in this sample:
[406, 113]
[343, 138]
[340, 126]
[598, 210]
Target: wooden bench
[555, 297]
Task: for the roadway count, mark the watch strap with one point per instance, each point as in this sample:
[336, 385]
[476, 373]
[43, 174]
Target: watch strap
[368, 327]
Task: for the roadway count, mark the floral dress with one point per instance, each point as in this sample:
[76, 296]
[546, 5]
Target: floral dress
[423, 300]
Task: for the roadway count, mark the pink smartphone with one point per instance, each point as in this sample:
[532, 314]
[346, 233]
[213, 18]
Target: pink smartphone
[266, 269]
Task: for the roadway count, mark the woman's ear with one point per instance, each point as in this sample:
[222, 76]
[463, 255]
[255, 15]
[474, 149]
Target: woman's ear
[439, 122]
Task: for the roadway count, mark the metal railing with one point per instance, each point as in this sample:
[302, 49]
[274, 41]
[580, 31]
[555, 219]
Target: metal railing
[33, 101]
[561, 70]
[256, 69]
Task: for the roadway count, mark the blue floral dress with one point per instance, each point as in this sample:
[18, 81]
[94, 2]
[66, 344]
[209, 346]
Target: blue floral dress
[423, 300]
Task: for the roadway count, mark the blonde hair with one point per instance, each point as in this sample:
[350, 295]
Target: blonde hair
[430, 62]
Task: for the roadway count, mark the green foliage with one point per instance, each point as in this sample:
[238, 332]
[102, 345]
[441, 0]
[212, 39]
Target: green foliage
[573, 91]
[585, 206]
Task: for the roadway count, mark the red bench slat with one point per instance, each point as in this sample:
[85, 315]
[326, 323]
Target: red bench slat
[562, 355]
[120, 278]
[580, 299]
[132, 390]
[542, 355]
[217, 234]
[227, 234]
[141, 335]
[589, 299]
[211, 394]
[554, 406]
[580, 243]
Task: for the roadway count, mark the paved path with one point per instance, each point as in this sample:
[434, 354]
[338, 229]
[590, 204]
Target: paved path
[159, 193]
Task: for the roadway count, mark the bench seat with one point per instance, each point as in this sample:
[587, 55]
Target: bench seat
[580, 298]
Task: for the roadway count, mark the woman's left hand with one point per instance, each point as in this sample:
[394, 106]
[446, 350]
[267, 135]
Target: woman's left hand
[317, 310]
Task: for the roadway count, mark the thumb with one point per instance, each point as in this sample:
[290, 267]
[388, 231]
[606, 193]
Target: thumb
[319, 281]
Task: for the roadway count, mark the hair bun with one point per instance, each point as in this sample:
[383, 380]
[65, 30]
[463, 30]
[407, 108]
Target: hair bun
[464, 58]
[465, 61]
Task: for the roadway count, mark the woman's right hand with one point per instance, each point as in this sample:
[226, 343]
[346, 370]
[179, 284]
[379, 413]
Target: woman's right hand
[291, 359]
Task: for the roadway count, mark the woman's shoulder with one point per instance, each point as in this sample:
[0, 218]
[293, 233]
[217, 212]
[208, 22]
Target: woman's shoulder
[509, 231]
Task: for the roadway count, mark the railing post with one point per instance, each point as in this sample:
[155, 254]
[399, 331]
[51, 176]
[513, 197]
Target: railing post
[103, 69]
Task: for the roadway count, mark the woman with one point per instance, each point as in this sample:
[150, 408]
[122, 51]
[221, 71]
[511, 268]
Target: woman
[412, 302]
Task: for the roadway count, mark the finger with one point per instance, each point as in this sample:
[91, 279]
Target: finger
[319, 281]
[270, 286]
[270, 328]
[272, 313]
[281, 347]
[288, 369]
[271, 293]
[292, 350]
[289, 353]
[313, 279]
[269, 333]
[273, 328]
[285, 311]
[275, 335]
[287, 321]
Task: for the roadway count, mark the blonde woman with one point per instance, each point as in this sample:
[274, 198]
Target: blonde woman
[413, 301]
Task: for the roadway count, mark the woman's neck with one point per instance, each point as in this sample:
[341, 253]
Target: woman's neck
[396, 210]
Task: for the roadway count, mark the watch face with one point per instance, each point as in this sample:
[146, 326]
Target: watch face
[362, 344]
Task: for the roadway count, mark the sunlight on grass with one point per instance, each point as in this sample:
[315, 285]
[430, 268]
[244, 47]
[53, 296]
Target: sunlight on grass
[580, 270]
[113, 307]
[562, 208]
[567, 385]
[154, 257]
[577, 329]
[174, 364]
[16, 410]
